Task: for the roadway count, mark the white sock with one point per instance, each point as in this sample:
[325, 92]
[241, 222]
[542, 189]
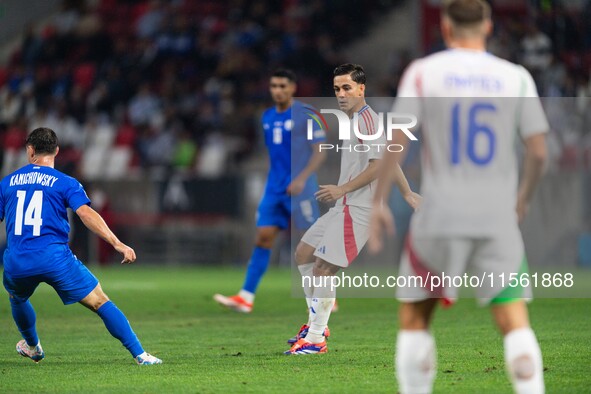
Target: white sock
[523, 359]
[320, 309]
[246, 296]
[416, 361]
[307, 271]
[319, 315]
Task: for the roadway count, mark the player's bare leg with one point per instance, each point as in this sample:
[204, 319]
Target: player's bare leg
[117, 324]
[259, 262]
[523, 357]
[415, 347]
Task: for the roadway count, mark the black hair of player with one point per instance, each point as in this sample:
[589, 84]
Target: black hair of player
[285, 73]
[43, 140]
[355, 70]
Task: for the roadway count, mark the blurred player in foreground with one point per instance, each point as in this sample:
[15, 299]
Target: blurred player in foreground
[472, 106]
[335, 240]
[34, 202]
[291, 183]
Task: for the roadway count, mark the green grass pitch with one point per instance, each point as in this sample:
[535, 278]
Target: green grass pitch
[210, 350]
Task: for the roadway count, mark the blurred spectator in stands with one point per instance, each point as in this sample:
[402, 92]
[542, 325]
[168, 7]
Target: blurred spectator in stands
[563, 29]
[144, 106]
[150, 22]
[10, 104]
[30, 46]
[503, 44]
[68, 16]
[156, 146]
[42, 118]
[29, 103]
[185, 151]
[15, 135]
[67, 129]
[553, 79]
[536, 50]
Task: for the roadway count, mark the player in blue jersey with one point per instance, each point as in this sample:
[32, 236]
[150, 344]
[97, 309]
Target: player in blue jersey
[34, 202]
[291, 182]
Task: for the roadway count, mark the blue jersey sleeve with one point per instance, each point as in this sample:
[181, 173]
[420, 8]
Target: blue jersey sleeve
[75, 195]
[1, 204]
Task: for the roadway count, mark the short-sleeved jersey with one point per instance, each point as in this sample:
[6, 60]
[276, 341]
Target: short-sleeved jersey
[472, 107]
[34, 202]
[288, 145]
[357, 153]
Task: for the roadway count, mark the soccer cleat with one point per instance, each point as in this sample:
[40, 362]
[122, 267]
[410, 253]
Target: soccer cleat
[304, 347]
[303, 332]
[147, 359]
[36, 354]
[235, 303]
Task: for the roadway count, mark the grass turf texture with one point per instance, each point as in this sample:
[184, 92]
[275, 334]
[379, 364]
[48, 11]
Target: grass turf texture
[210, 350]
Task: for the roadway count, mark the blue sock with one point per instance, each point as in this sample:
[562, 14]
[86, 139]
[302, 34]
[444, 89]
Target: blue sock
[25, 318]
[119, 327]
[259, 262]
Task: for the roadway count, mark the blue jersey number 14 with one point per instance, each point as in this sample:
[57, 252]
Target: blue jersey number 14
[32, 216]
[475, 130]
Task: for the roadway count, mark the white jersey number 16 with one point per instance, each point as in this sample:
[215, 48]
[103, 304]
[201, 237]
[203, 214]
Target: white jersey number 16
[475, 130]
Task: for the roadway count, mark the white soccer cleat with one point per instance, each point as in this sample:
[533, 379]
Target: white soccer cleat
[147, 359]
[235, 303]
[36, 353]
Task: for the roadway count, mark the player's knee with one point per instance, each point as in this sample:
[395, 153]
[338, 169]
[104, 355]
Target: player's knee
[301, 255]
[522, 367]
[265, 239]
[323, 268]
[16, 300]
[98, 302]
[97, 299]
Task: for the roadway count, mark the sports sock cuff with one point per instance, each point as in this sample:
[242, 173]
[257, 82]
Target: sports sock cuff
[105, 308]
[306, 269]
[246, 296]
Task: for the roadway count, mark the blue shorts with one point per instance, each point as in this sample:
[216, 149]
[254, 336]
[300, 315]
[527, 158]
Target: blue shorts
[278, 210]
[72, 282]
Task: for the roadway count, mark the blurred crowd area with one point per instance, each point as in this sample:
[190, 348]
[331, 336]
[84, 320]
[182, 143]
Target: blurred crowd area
[156, 86]
[150, 86]
[552, 39]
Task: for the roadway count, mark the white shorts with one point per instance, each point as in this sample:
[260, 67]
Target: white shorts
[339, 235]
[492, 260]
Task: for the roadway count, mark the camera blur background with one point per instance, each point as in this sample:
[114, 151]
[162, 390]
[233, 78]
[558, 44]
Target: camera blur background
[157, 106]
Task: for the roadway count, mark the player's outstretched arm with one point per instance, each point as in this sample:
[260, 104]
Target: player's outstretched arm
[299, 182]
[533, 169]
[95, 223]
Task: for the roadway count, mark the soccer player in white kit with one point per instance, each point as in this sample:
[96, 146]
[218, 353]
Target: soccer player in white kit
[472, 107]
[337, 237]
